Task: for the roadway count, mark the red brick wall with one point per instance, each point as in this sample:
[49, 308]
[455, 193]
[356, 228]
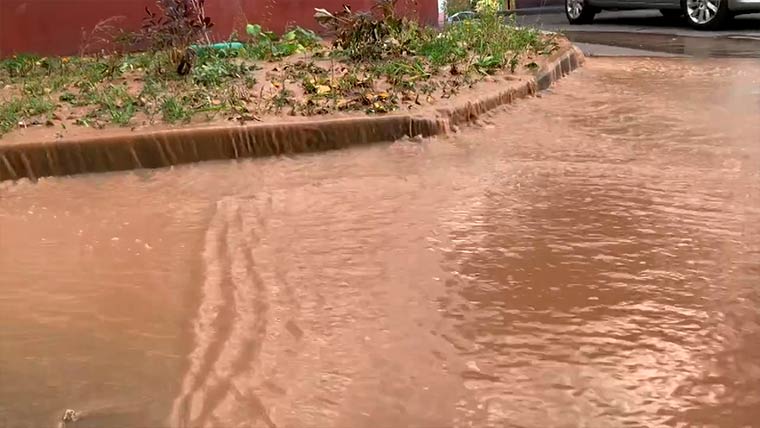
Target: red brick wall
[54, 27]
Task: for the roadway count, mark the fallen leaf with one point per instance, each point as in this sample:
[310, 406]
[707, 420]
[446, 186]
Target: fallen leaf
[370, 97]
[323, 89]
[343, 103]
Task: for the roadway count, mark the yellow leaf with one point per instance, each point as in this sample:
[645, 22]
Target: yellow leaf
[323, 89]
[383, 95]
[343, 103]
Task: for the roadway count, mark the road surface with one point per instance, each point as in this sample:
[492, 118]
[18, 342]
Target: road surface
[647, 33]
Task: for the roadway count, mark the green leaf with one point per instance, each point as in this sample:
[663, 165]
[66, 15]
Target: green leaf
[253, 30]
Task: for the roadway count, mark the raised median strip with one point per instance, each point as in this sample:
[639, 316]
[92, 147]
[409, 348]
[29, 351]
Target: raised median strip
[162, 148]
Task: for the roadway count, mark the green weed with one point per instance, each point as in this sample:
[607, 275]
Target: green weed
[489, 39]
[267, 45]
[214, 70]
[10, 115]
[19, 109]
[19, 65]
[118, 104]
[38, 105]
[405, 72]
[67, 97]
[173, 111]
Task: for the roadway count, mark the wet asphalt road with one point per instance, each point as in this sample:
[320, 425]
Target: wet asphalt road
[647, 33]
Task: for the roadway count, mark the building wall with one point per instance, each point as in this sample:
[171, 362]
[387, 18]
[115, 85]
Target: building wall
[55, 27]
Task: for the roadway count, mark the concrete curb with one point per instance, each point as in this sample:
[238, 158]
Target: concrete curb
[159, 149]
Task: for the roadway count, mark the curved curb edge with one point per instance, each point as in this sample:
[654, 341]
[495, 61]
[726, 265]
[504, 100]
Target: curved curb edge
[157, 149]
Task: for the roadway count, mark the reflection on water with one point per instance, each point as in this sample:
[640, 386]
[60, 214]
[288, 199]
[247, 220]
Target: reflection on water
[699, 47]
[597, 265]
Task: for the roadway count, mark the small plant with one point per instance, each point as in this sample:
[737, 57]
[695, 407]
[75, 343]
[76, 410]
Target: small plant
[173, 111]
[121, 115]
[10, 115]
[405, 72]
[489, 63]
[213, 70]
[118, 104]
[102, 37]
[177, 25]
[94, 71]
[283, 98]
[370, 36]
[306, 38]
[20, 65]
[67, 97]
[34, 88]
[488, 7]
[486, 44]
[37, 105]
[15, 111]
[446, 48]
[267, 45]
[212, 73]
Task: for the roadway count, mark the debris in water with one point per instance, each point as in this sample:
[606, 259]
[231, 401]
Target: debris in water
[69, 415]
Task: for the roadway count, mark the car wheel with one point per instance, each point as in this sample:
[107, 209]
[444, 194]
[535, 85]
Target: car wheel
[706, 14]
[671, 13]
[579, 12]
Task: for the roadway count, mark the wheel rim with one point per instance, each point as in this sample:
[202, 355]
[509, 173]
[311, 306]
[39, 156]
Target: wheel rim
[574, 8]
[702, 11]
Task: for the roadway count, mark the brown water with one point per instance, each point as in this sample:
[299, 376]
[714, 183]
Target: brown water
[595, 265]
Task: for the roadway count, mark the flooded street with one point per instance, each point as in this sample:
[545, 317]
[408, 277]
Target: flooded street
[587, 258]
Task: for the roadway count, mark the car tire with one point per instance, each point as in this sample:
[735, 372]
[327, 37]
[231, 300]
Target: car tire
[671, 13]
[579, 12]
[706, 14]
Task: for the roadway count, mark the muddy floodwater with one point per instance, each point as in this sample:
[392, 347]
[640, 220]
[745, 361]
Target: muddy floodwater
[587, 258]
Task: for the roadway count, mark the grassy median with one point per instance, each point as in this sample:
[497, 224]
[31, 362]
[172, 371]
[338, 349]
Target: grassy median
[374, 62]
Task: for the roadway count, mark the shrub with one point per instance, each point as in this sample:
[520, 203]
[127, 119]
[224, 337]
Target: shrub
[368, 36]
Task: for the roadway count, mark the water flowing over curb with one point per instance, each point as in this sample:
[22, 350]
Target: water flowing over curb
[157, 149]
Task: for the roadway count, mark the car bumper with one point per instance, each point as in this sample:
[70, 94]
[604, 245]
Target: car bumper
[744, 5]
